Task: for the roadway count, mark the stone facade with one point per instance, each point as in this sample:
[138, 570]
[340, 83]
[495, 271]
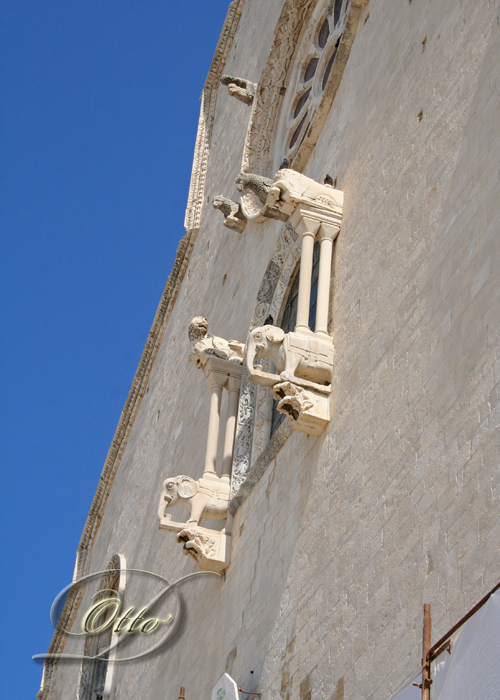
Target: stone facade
[337, 539]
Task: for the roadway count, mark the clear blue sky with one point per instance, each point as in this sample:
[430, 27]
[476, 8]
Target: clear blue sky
[100, 104]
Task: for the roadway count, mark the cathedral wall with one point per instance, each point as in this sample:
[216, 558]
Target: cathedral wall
[345, 536]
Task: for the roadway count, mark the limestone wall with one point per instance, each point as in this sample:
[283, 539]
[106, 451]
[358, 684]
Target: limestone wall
[346, 535]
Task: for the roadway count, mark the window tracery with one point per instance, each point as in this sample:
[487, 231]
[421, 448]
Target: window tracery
[311, 78]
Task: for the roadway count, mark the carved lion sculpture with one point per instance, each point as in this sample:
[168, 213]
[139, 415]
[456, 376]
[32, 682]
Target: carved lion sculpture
[234, 219]
[205, 345]
[205, 498]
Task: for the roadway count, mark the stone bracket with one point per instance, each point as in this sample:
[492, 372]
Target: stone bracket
[210, 549]
[308, 409]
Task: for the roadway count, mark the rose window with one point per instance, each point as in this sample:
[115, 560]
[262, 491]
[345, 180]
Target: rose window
[314, 73]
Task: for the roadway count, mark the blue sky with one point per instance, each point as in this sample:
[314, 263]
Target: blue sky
[100, 104]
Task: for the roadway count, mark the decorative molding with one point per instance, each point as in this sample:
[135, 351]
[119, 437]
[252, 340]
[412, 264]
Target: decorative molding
[273, 447]
[244, 433]
[291, 28]
[294, 17]
[167, 301]
[252, 431]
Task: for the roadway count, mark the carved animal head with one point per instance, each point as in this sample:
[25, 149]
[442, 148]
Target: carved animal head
[219, 201]
[224, 205]
[263, 338]
[240, 182]
[180, 487]
[198, 328]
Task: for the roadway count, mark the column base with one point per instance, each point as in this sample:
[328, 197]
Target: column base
[323, 335]
[304, 330]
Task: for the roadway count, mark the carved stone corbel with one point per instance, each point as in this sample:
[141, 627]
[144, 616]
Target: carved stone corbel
[242, 89]
[308, 409]
[234, 218]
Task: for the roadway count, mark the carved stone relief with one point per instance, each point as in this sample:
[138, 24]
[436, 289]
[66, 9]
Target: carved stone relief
[255, 191]
[204, 345]
[244, 431]
[309, 410]
[273, 100]
[294, 17]
[304, 360]
[210, 549]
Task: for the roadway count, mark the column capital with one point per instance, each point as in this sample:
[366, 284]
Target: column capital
[312, 218]
[233, 383]
[218, 372]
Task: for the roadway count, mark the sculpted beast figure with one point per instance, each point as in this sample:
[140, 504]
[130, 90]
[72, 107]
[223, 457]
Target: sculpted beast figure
[205, 499]
[300, 359]
[231, 210]
[205, 345]
[242, 89]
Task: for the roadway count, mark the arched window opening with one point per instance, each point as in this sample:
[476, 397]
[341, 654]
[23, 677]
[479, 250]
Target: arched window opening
[289, 316]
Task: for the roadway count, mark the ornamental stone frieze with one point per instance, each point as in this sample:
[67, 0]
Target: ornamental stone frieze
[303, 358]
[207, 498]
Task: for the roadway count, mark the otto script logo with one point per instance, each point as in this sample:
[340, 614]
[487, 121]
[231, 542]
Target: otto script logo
[107, 616]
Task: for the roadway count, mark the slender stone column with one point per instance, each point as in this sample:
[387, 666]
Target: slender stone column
[326, 237]
[304, 297]
[217, 382]
[233, 388]
[306, 226]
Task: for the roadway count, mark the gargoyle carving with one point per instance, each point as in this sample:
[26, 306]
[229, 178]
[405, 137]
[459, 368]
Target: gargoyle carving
[292, 399]
[231, 210]
[308, 409]
[205, 345]
[242, 89]
[205, 498]
[304, 360]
